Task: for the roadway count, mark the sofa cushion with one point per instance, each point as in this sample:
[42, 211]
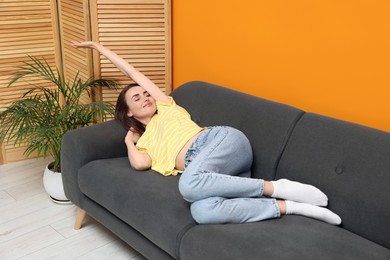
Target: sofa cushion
[350, 163]
[267, 124]
[149, 202]
[291, 237]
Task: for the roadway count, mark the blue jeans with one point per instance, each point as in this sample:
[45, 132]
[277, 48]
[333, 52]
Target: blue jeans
[216, 180]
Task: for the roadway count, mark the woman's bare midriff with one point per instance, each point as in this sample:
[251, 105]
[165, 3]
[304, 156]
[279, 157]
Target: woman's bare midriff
[182, 154]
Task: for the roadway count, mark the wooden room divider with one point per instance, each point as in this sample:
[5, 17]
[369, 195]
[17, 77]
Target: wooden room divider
[138, 30]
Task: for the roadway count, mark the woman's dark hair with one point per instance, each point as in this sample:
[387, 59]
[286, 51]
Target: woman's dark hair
[122, 109]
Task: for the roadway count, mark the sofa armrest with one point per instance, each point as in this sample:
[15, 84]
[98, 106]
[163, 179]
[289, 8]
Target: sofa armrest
[83, 145]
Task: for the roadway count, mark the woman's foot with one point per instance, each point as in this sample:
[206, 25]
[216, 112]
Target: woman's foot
[299, 192]
[311, 211]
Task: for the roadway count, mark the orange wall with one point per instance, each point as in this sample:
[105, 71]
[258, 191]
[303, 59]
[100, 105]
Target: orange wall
[329, 57]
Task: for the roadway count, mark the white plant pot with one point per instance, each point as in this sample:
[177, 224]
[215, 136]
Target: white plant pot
[52, 181]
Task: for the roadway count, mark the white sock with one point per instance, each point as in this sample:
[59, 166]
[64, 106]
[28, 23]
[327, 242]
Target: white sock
[299, 192]
[312, 211]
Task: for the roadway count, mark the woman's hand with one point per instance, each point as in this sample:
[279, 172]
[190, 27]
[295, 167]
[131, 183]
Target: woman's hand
[138, 160]
[132, 136]
[77, 44]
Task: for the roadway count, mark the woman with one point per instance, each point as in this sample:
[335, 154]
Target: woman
[215, 161]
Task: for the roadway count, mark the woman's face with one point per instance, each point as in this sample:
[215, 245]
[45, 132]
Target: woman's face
[141, 105]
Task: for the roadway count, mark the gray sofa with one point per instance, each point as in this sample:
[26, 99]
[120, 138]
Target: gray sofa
[349, 162]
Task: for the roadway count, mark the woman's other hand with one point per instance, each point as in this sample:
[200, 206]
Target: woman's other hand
[132, 136]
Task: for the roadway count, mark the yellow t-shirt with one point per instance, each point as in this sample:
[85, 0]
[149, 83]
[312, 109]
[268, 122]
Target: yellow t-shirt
[165, 135]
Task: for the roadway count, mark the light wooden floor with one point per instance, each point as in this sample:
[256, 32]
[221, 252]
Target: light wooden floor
[33, 227]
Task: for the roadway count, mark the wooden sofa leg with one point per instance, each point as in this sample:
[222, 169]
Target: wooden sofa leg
[79, 218]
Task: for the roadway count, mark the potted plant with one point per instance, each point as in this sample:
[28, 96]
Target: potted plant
[45, 112]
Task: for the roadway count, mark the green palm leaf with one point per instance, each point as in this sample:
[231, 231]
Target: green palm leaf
[45, 114]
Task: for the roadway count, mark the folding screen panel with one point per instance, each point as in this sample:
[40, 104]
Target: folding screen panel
[27, 27]
[75, 26]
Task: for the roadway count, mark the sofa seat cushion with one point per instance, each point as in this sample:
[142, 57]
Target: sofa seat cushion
[290, 237]
[147, 201]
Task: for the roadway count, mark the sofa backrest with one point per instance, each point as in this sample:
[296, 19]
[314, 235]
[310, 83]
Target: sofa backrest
[351, 164]
[267, 124]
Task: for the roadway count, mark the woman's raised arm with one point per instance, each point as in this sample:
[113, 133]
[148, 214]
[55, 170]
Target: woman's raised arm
[126, 68]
